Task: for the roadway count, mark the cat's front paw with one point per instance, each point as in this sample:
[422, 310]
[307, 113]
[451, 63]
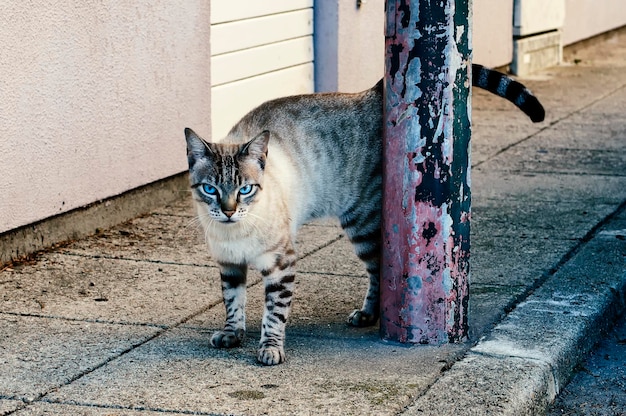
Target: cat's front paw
[227, 339]
[271, 355]
[360, 318]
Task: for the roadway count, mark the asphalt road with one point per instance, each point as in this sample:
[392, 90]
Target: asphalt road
[599, 385]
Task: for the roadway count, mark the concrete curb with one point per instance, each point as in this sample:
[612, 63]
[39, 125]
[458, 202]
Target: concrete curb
[520, 367]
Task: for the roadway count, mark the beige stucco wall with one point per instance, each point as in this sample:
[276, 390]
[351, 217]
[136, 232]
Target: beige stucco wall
[361, 44]
[492, 35]
[350, 44]
[95, 96]
[587, 18]
[349, 48]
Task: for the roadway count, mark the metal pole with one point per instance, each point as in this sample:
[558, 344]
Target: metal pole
[426, 199]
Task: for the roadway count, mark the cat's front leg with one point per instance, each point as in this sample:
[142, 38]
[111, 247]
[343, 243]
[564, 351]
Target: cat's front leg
[234, 293]
[279, 286]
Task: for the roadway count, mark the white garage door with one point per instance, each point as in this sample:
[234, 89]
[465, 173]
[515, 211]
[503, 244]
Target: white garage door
[259, 50]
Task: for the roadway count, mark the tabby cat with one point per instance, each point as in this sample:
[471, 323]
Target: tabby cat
[287, 162]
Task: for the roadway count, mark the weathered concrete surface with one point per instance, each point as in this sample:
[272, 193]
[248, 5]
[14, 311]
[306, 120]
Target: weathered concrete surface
[7, 406]
[119, 323]
[43, 409]
[324, 375]
[40, 354]
[109, 290]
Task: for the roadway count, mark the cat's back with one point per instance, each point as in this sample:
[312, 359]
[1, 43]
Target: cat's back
[315, 119]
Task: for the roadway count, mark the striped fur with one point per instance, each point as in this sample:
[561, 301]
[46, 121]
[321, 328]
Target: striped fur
[285, 163]
[505, 87]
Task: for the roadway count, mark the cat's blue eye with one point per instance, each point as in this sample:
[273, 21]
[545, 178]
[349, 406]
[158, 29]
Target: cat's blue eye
[245, 190]
[209, 189]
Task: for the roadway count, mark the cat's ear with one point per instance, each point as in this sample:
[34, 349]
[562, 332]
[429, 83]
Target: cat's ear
[257, 146]
[196, 146]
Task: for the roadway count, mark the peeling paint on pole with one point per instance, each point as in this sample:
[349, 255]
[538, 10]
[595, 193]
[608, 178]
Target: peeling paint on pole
[425, 267]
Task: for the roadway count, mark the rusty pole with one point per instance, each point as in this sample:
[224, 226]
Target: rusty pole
[426, 163]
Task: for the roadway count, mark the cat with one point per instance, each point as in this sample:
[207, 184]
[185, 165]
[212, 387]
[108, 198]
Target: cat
[287, 162]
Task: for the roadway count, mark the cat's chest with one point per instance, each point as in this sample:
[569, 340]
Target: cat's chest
[240, 249]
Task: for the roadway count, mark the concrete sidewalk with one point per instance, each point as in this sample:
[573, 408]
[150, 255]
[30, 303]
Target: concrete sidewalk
[119, 323]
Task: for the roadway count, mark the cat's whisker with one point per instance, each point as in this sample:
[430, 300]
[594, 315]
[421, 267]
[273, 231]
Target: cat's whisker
[255, 226]
[257, 230]
[207, 230]
[202, 221]
[263, 220]
[246, 225]
[194, 223]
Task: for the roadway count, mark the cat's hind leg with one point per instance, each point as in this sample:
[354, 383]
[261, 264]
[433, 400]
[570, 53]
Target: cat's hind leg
[233, 278]
[369, 312]
[362, 226]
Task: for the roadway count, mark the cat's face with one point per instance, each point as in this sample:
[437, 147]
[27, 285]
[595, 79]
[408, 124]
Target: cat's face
[226, 178]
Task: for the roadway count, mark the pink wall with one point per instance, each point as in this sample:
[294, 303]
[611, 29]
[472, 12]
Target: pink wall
[95, 96]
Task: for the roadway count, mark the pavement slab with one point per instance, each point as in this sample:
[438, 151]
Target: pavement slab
[527, 219]
[108, 290]
[39, 355]
[586, 85]
[528, 260]
[489, 303]
[177, 372]
[160, 238]
[491, 183]
[566, 161]
[45, 408]
[337, 258]
[7, 406]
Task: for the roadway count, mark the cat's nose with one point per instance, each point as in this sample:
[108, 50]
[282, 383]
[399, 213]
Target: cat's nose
[229, 213]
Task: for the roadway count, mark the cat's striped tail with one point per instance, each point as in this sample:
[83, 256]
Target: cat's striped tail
[506, 87]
